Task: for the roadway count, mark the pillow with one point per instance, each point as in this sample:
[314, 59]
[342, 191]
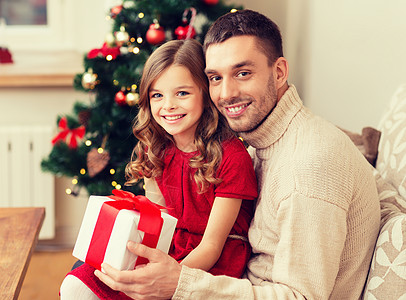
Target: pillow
[387, 274]
[367, 142]
[391, 160]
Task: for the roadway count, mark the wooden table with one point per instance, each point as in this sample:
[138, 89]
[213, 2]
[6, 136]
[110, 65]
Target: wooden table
[19, 229]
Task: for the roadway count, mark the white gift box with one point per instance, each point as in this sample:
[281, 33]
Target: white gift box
[124, 229]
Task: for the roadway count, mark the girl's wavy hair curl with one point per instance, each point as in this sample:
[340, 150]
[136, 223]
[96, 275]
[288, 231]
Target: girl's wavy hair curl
[147, 157]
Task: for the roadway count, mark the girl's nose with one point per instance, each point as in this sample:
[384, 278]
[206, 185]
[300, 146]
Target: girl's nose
[169, 103]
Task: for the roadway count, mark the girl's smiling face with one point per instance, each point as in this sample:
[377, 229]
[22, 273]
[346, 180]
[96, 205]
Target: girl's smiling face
[177, 104]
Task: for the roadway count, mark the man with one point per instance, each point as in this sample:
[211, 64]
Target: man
[317, 215]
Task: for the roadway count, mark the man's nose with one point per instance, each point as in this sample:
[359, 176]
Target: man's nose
[229, 89]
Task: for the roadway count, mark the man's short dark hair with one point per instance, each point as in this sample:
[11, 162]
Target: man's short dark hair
[251, 23]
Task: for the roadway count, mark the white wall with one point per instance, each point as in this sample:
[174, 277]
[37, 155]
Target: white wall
[90, 25]
[346, 57]
[356, 57]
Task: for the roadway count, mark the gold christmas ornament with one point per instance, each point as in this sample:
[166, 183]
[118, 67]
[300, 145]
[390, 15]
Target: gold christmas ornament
[89, 80]
[132, 98]
[122, 36]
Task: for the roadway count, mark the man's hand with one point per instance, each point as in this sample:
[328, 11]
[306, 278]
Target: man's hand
[156, 280]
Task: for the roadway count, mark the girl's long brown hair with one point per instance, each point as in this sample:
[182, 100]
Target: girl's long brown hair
[147, 157]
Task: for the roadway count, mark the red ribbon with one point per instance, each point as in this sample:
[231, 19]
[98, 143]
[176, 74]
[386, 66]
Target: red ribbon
[75, 134]
[150, 223]
[104, 51]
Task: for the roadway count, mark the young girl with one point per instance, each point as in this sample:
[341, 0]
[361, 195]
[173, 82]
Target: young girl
[202, 170]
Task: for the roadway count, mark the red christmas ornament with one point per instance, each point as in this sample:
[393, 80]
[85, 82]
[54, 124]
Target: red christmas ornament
[155, 34]
[114, 11]
[211, 2]
[185, 32]
[120, 98]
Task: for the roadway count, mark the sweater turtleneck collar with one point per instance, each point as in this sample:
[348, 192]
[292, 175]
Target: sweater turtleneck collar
[277, 121]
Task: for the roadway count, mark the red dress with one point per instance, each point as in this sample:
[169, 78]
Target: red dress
[192, 211]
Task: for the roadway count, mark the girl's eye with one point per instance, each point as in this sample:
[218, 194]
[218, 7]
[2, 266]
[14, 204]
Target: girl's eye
[156, 95]
[182, 93]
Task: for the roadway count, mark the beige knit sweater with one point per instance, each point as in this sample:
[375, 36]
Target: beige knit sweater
[316, 220]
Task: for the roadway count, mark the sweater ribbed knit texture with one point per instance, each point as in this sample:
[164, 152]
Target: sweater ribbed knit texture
[317, 215]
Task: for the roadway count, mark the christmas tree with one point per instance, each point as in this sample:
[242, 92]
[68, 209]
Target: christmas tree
[94, 143]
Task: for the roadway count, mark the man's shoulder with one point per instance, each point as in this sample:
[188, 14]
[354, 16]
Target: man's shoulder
[318, 143]
[316, 132]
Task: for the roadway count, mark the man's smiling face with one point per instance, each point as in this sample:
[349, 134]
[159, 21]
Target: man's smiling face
[241, 82]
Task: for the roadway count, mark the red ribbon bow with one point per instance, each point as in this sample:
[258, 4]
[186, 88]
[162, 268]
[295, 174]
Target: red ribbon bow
[104, 51]
[150, 223]
[75, 134]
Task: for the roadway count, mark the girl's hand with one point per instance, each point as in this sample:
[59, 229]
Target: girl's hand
[156, 280]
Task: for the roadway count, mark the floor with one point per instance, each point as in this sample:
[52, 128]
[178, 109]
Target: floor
[47, 268]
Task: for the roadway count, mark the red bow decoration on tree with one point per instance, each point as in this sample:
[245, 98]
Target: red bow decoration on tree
[104, 51]
[75, 134]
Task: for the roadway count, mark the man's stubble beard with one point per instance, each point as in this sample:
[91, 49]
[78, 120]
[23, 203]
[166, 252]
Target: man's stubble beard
[269, 96]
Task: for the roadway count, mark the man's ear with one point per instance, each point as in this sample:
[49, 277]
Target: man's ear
[281, 72]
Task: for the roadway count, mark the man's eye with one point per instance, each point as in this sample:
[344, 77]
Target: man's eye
[214, 78]
[243, 74]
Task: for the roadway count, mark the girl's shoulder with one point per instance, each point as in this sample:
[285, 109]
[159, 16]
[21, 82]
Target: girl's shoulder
[232, 145]
[235, 151]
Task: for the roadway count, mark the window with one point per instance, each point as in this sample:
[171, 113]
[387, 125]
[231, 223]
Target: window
[36, 24]
[24, 12]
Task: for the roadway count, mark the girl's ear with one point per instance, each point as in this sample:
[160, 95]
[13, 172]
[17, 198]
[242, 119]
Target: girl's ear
[281, 72]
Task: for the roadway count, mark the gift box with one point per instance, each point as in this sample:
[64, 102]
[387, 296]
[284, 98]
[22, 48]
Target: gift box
[110, 222]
